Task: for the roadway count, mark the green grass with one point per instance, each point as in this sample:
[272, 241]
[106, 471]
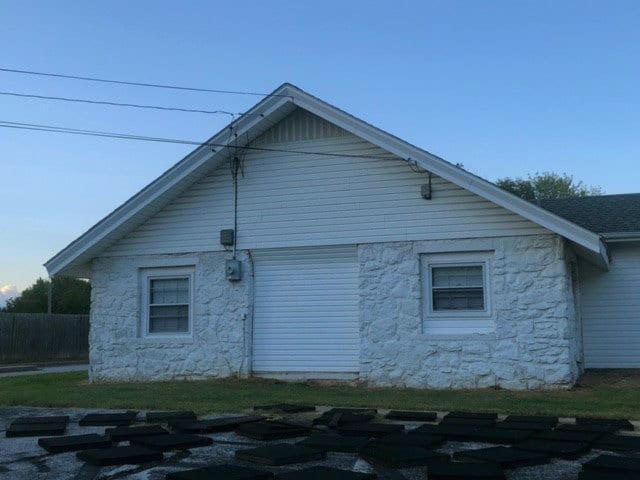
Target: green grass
[605, 398]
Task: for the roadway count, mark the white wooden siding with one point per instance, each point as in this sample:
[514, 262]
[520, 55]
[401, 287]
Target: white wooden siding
[306, 310]
[611, 310]
[290, 199]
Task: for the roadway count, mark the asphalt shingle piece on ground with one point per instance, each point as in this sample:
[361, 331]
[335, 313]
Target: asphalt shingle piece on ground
[122, 419]
[597, 475]
[415, 440]
[466, 470]
[119, 456]
[35, 429]
[462, 433]
[74, 443]
[269, 430]
[285, 408]
[57, 419]
[325, 473]
[473, 421]
[552, 421]
[280, 454]
[504, 457]
[569, 450]
[492, 416]
[410, 416]
[500, 435]
[334, 419]
[224, 424]
[568, 436]
[613, 464]
[371, 429]
[173, 441]
[334, 443]
[618, 424]
[166, 417]
[622, 443]
[220, 472]
[352, 410]
[533, 426]
[400, 456]
[120, 434]
[570, 427]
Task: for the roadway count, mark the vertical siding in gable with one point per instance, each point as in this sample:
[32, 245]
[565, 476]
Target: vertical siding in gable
[289, 199]
[300, 125]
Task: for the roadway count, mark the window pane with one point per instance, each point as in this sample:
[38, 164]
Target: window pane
[169, 319]
[169, 290]
[448, 277]
[458, 299]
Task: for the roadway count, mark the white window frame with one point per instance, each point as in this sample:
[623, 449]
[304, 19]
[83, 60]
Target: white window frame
[147, 275]
[453, 322]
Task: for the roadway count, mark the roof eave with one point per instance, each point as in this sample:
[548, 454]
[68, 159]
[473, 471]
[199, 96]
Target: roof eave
[457, 175]
[289, 95]
[612, 237]
[63, 261]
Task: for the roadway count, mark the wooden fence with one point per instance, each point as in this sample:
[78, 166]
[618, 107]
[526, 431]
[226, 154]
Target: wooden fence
[40, 337]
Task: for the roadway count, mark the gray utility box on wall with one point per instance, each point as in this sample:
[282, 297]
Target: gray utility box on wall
[227, 237]
[233, 270]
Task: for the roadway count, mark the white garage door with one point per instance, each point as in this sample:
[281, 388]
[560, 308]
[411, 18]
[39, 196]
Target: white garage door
[306, 311]
[611, 310]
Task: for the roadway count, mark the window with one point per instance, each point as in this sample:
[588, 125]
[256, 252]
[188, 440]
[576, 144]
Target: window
[456, 293]
[457, 288]
[167, 301]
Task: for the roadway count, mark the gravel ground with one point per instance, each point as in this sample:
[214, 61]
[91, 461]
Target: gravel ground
[23, 459]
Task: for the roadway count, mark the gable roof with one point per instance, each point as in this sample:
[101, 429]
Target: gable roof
[73, 259]
[612, 216]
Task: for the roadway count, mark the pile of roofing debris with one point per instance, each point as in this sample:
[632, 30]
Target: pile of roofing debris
[283, 435]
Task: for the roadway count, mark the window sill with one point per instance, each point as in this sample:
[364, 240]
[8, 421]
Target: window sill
[459, 336]
[168, 339]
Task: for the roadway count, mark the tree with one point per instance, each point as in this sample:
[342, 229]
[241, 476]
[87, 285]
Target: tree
[547, 185]
[70, 295]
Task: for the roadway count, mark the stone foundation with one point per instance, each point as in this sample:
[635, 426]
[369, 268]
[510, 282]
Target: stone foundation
[221, 322]
[535, 343]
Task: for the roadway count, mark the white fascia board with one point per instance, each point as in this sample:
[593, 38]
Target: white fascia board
[164, 183]
[450, 172]
[621, 237]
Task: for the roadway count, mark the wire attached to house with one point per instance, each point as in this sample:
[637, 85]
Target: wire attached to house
[117, 104]
[126, 136]
[427, 189]
[140, 84]
[234, 164]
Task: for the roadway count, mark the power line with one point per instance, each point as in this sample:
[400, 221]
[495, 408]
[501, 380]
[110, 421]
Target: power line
[127, 136]
[116, 104]
[140, 84]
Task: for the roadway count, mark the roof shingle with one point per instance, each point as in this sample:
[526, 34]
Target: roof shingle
[603, 214]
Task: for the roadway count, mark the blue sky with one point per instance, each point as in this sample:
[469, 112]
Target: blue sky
[506, 88]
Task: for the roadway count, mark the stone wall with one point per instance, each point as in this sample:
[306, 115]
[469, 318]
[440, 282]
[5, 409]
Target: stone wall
[534, 344]
[221, 318]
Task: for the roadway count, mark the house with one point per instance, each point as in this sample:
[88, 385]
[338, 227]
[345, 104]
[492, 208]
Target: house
[302, 242]
[609, 300]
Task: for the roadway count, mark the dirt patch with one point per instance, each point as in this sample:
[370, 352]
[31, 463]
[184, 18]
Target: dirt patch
[611, 377]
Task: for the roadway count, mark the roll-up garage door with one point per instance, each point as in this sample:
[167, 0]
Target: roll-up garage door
[306, 311]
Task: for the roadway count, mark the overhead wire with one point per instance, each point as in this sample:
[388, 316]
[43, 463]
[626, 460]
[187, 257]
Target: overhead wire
[139, 84]
[117, 104]
[127, 136]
